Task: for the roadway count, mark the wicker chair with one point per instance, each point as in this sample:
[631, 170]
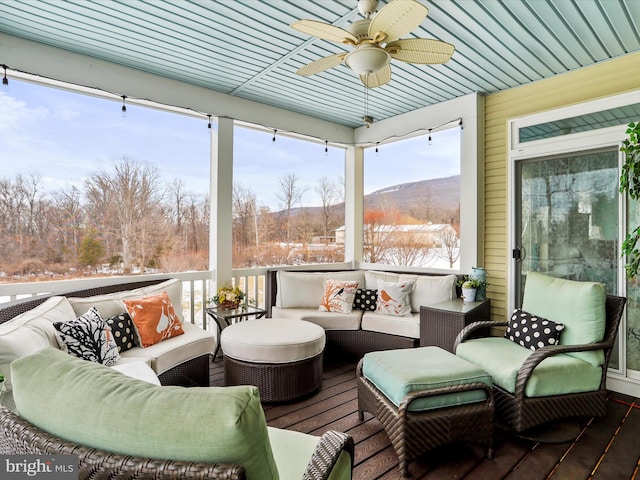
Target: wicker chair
[18, 436]
[522, 412]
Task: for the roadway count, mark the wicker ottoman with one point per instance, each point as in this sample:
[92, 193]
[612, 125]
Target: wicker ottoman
[426, 397]
[282, 357]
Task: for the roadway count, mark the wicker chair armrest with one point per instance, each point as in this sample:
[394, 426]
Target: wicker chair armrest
[467, 332]
[17, 436]
[403, 409]
[533, 360]
[326, 454]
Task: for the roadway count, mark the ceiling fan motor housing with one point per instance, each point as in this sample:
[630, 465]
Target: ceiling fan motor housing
[367, 7]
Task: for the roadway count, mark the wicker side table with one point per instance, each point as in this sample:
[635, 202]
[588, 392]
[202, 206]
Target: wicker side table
[441, 323]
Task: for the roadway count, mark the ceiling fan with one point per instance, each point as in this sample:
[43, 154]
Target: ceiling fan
[376, 40]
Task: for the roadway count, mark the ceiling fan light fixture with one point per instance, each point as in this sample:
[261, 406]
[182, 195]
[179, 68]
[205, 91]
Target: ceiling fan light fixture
[367, 59]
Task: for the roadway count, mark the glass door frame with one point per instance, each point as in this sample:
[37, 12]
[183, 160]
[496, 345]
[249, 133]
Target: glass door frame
[566, 145]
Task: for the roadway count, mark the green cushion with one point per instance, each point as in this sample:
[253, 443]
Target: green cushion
[555, 375]
[397, 373]
[293, 450]
[94, 405]
[580, 306]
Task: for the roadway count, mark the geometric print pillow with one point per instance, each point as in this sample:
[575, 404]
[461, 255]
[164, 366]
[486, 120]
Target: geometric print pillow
[338, 296]
[532, 332]
[365, 299]
[88, 337]
[123, 331]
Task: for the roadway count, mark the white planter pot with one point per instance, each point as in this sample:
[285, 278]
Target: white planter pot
[468, 295]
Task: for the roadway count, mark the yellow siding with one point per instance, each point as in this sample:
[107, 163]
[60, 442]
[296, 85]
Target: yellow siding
[601, 80]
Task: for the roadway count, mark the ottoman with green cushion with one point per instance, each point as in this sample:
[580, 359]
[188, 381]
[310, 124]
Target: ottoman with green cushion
[426, 397]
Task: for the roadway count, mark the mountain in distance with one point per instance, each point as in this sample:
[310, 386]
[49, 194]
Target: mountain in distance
[440, 194]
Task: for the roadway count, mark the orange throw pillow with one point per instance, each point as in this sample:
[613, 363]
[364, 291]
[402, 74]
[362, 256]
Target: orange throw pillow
[154, 318]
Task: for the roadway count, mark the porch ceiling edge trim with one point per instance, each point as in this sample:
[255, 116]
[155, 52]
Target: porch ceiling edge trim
[58, 64]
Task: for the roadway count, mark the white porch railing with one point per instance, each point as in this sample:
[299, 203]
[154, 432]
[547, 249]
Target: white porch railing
[197, 287]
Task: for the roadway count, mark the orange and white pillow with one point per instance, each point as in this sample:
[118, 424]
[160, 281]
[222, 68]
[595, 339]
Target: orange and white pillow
[394, 298]
[154, 318]
[338, 296]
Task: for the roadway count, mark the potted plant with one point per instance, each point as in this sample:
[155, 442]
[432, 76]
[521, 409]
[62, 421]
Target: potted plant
[228, 297]
[630, 184]
[2, 386]
[469, 288]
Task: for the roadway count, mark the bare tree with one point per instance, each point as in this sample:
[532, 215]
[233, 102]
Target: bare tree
[126, 203]
[290, 194]
[450, 247]
[67, 220]
[244, 202]
[328, 192]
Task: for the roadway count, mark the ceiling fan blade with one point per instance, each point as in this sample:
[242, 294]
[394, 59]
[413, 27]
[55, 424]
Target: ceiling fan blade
[376, 79]
[420, 50]
[321, 64]
[325, 31]
[397, 18]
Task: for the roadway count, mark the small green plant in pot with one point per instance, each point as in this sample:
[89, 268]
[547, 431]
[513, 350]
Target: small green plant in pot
[469, 288]
[630, 184]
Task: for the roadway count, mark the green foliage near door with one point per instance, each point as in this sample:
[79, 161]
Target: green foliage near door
[630, 184]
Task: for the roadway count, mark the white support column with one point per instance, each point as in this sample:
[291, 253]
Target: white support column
[221, 211]
[354, 204]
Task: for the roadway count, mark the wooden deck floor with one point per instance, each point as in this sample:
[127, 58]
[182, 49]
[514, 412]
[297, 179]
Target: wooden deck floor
[606, 449]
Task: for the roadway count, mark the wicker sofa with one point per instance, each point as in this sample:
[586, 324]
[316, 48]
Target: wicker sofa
[26, 327]
[296, 295]
[123, 428]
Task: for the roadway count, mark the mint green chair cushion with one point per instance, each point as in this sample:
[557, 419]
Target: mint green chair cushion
[580, 306]
[557, 375]
[94, 405]
[397, 373]
[293, 450]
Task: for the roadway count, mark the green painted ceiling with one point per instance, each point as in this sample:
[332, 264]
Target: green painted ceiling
[246, 47]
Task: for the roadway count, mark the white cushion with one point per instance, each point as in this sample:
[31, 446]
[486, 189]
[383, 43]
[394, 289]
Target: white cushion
[432, 289]
[327, 320]
[30, 332]
[299, 290]
[139, 370]
[173, 351]
[305, 289]
[429, 289]
[108, 305]
[111, 304]
[272, 340]
[392, 324]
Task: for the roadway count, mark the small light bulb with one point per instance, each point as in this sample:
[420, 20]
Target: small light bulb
[5, 80]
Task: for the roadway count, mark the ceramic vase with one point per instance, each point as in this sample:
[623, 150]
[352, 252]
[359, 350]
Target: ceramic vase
[480, 274]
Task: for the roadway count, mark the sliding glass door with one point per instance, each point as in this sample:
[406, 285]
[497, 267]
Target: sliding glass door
[567, 218]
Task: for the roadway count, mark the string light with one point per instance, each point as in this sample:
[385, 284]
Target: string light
[209, 124]
[460, 124]
[430, 136]
[124, 106]
[5, 80]
[274, 135]
[377, 151]
[326, 148]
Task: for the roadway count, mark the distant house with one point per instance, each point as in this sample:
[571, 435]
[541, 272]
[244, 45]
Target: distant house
[430, 235]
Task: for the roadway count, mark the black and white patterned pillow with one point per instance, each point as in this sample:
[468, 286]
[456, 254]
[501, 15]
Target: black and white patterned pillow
[531, 331]
[88, 337]
[123, 331]
[365, 299]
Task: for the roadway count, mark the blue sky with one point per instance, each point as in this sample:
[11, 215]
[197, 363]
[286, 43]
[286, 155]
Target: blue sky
[64, 137]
